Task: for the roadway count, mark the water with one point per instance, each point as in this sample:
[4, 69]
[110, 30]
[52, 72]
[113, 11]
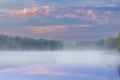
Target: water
[59, 65]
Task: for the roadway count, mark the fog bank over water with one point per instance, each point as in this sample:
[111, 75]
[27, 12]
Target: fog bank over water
[52, 58]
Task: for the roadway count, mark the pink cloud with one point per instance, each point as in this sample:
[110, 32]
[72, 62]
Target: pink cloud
[62, 30]
[43, 10]
[24, 12]
[91, 14]
[47, 10]
[54, 31]
[48, 30]
[45, 29]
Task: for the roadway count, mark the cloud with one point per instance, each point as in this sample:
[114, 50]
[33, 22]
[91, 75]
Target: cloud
[91, 14]
[45, 29]
[43, 10]
[110, 5]
[8, 31]
[69, 15]
[25, 12]
[62, 12]
[35, 30]
[59, 30]
[62, 32]
[14, 31]
[48, 9]
[83, 26]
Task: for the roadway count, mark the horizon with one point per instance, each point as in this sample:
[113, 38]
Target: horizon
[81, 40]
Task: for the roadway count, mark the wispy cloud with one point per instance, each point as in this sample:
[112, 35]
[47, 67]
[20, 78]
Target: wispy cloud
[45, 29]
[14, 31]
[43, 10]
[55, 31]
[69, 15]
[8, 31]
[24, 12]
[56, 12]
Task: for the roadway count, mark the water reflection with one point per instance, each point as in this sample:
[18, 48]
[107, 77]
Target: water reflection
[64, 65]
[60, 73]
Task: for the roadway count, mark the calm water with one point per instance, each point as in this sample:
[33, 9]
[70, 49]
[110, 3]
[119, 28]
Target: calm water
[59, 65]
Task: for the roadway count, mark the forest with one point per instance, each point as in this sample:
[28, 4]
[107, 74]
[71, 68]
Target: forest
[24, 43]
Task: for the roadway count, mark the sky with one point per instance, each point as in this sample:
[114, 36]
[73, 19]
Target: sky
[60, 19]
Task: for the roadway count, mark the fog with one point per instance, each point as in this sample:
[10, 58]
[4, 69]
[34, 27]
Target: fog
[16, 59]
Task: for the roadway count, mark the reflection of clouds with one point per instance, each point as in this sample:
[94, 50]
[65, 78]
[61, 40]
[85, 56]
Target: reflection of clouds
[93, 58]
[45, 71]
[48, 71]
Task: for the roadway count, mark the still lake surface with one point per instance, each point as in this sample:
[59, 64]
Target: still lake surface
[59, 65]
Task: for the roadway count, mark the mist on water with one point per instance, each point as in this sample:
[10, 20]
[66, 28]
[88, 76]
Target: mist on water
[56, 58]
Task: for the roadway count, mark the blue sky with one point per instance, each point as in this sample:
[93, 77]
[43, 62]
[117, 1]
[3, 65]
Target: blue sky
[60, 19]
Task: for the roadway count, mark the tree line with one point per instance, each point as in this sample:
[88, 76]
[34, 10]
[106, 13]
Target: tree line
[23, 43]
[107, 43]
[111, 42]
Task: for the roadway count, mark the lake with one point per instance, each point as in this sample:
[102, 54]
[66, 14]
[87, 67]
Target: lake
[59, 65]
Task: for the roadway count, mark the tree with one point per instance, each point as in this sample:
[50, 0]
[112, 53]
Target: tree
[118, 41]
[111, 43]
